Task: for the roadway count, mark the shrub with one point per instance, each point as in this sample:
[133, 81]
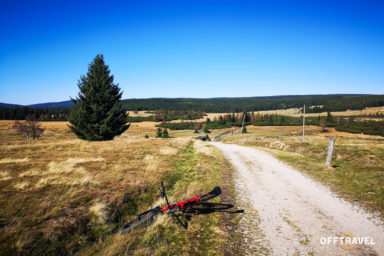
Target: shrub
[29, 128]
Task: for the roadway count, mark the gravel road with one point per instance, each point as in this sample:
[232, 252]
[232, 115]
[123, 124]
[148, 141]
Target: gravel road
[294, 214]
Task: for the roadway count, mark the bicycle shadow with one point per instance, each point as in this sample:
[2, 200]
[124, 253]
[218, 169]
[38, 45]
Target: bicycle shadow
[207, 208]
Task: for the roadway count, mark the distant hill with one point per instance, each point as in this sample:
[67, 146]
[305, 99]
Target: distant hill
[6, 105]
[61, 104]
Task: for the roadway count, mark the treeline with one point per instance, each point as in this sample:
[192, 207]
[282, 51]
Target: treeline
[346, 124]
[334, 102]
[181, 126]
[62, 114]
[168, 115]
[42, 114]
[365, 127]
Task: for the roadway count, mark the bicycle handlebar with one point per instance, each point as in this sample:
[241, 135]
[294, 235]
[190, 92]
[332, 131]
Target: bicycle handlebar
[164, 194]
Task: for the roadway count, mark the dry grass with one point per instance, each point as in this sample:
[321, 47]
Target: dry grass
[50, 186]
[100, 210]
[4, 175]
[21, 185]
[59, 194]
[139, 113]
[167, 151]
[203, 148]
[10, 160]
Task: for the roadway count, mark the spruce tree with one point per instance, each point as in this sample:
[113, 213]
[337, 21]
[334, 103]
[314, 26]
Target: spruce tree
[165, 134]
[159, 133]
[97, 114]
[206, 130]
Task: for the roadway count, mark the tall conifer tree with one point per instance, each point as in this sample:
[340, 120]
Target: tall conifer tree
[97, 114]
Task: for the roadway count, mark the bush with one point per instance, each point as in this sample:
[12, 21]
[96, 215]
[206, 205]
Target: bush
[206, 138]
[29, 128]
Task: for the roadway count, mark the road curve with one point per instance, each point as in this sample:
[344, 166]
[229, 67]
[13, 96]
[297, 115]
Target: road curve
[295, 214]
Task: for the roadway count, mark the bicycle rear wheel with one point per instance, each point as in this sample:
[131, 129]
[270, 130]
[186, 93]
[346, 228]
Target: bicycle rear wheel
[141, 221]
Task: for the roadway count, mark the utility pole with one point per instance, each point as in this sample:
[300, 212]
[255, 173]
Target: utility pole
[304, 123]
[241, 131]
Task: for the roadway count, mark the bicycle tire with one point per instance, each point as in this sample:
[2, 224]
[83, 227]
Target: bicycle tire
[136, 223]
[214, 193]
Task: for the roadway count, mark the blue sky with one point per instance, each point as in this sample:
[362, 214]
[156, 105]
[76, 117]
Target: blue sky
[192, 48]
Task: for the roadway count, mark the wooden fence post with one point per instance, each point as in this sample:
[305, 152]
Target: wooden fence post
[330, 151]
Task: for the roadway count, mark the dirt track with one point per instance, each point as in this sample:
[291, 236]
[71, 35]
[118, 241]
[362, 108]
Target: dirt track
[293, 212]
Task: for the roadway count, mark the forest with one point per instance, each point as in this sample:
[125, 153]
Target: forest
[333, 102]
[42, 114]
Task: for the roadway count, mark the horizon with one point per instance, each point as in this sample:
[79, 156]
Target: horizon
[192, 49]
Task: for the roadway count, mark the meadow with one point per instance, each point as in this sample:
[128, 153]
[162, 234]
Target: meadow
[64, 196]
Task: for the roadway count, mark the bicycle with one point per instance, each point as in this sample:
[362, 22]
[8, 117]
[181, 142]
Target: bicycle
[191, 206]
